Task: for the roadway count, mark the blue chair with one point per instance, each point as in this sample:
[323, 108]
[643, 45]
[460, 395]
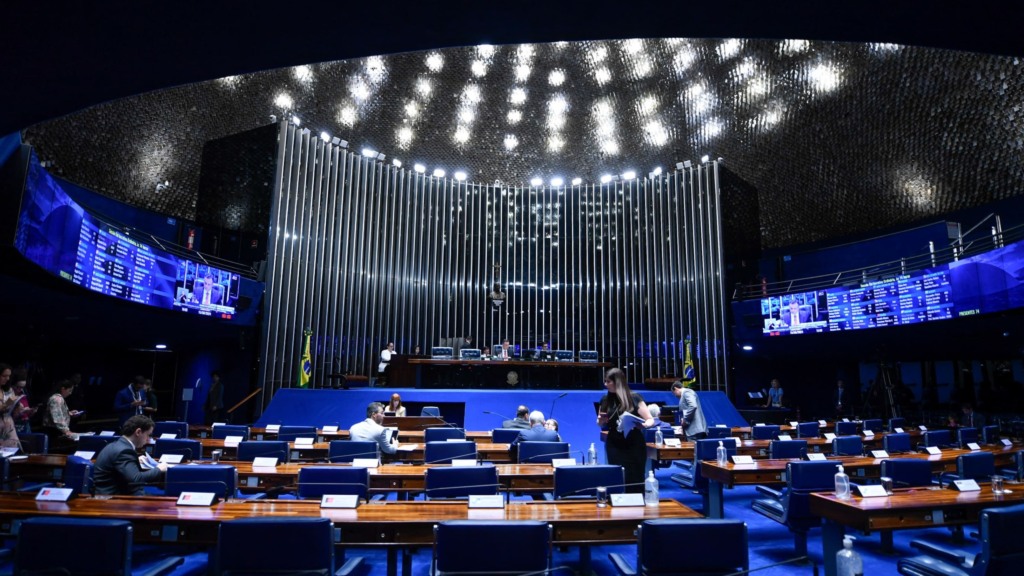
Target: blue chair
[1017, 472]
[542, 452]
[980, 466]
[344, 451]
[767, 432]
[460, 481]
[1002, 549]
[86, 546]
[940, 438]
[896, 443]
[895, 423]
[990, 434]
[706, 449]
[252, 449]
[908, 472]
[95, 443]
[301, 545]
[190, 449]
[847, 446]
[483, 546]
[290, 433]
[791, 506]
[221, 479]
[34, 443]
[504, 435]
[722, 546]
[315, 481]
[778, 449]
[443, 433]
[718, 432]
[76, 474]
[846, 428]
[445, 452]
[873, 424]
[224, 430]
[179, 429]
[431, 411]
[807, 430]
[581, 481]
[650, 434]
[965, 436]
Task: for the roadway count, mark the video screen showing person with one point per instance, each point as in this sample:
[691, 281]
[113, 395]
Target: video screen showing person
[203, 287]
[799, 313]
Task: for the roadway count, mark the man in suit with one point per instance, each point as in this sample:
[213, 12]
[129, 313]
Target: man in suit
[130, 400]
[521, 420]
[504, 352]
[693, 422]
[536, 433]
[118, 468]
[207, 293]
[370, 430]
[971, 419]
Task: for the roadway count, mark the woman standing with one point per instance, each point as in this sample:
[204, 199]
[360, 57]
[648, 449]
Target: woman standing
[8, 435]
[628, 451]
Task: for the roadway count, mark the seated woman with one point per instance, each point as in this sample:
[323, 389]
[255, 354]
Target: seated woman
[395, 405]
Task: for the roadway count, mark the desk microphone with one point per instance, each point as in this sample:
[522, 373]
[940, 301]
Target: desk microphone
[503, 417]
[442, 489]
[334, 459]
[595, 486]
[801, 559]
[561, 453]
[551, 413]
[448, 459]
[179, 486]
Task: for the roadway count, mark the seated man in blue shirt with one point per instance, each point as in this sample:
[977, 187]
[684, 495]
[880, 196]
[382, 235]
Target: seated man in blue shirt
[537, 433]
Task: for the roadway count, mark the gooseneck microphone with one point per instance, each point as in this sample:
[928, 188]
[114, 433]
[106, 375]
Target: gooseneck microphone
[502, 416]
[551, 413]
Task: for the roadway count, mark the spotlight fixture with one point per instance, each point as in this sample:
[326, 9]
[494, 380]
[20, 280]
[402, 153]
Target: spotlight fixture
[335, 140]
[296, 120]
[535, 181]
[325, 136]
[657, 171]
[419, 168]
[748, 347]
[273, 118]
[460, 175]
[438, 173]
[704, 159]
[577, 181]
[369, 153]
[629, 175]
[687, 164]
[606, 178]
[556, 182]
[396, 162]
[161, 346]
[343, 143]
[381, 156]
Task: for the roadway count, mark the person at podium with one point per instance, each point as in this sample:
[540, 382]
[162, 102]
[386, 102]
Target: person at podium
[774, 395]
[370, 430]
[503, 352]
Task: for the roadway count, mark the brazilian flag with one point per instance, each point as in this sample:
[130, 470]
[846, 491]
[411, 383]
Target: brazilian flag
[689, 375]
[306, 364]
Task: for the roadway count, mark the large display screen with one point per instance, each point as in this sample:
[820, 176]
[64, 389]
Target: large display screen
[984, 283]
[59, 235]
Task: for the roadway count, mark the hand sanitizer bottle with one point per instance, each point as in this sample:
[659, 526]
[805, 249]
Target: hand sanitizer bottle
[651, 490]
[721, 455]
[592, 455]
[848, 562]
[842, 485]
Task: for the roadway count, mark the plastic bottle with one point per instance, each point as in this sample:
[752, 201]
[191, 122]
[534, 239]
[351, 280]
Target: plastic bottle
[842, 485]
[651, 490]
[848, 562]
[592, 455]
[722, 455]
[659, 438]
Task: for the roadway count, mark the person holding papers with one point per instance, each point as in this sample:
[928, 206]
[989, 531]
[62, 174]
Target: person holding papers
[370, 430]
[622, 411]
[119, 468]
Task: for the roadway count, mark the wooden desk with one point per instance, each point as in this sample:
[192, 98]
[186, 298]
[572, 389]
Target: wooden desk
[906, 508]
[393, 525]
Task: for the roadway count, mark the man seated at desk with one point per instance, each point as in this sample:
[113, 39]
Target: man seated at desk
[520, 421]
[118, 467]
[370, 430]
[538, 432]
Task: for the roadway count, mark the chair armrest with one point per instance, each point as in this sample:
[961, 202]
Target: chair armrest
[947, 554]
[350, 566]
[1009, 473]
[621, 564]
[165, 566]
[769, 492]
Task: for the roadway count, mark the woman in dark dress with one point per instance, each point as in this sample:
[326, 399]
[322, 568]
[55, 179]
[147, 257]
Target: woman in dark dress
[630, 451]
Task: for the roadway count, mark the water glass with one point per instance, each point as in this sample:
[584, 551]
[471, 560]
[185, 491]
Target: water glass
[602, 497]
[997, 484]
[215, 455]
[886, 484]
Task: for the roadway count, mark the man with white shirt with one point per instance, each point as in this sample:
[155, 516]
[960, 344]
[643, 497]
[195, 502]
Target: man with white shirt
[370, 430]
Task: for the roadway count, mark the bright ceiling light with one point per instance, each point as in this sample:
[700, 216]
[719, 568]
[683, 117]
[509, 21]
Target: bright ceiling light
[536, 181]
[325, 136]
[606, 178]
[460, 175]
[556, 181]
[369, 153]
[420, 168]
[577, 181]
[438, 173]
[629, 175]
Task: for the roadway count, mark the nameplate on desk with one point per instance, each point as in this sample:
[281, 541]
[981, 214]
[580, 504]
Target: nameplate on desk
[106, 433]
[879, 454]
[970, 485]
[330, 429]
[822, 423]
[898, 430]
[486, 501]
[720, 426]
[215, 424]
[232, 441]
[196, 499]
[339, 501]
[922, 428]
[816, 456]
[627, 500]
[54, 494]
[973, 446]
[785, 437]
[738, 459]
[264, 462]
[304, 442]
[871, 491]
[737, 440]
[556, 462]
[454, 439]
[830, 436]
[759, 424]
[463, 462]
[673, 442]
[168, 436]
[87, 454]
[846, 419]
[869, 434]
[171, 458]
[272, 428]
[366, 462]
[1007, 442]
[933, 450]
[794, 423]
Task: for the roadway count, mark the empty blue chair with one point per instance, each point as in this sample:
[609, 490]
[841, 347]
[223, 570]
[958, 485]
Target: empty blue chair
[791, 506]
[300, 545]
[720, 546]
[1002, 549]
[581, 481]
[940, 438]
[95, 443]
[252, 449]
[1017, 472]
[990, 434]
[431, 411]
[224, 430]
[504, 435]
[719, 432]
[81, 546]
[78, 475]
[895, 423]
[907, 472]
[34, 443]
[179, 429]
[189, 449]
[807, 430]
[896, 443]
[691, 477]
[445, 452]
[290, 433]
[460, 481]
[498, 546]
[845, 428]
[873, 424]
[767, 432]
[965, 436]
[443, 433]
[221, 479]
[315, 481]
[542, 452]
[980, 466]
[344, 451]
[778, 449]
[847, 446]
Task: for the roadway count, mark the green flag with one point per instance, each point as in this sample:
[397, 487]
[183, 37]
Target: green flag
[306, 364]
